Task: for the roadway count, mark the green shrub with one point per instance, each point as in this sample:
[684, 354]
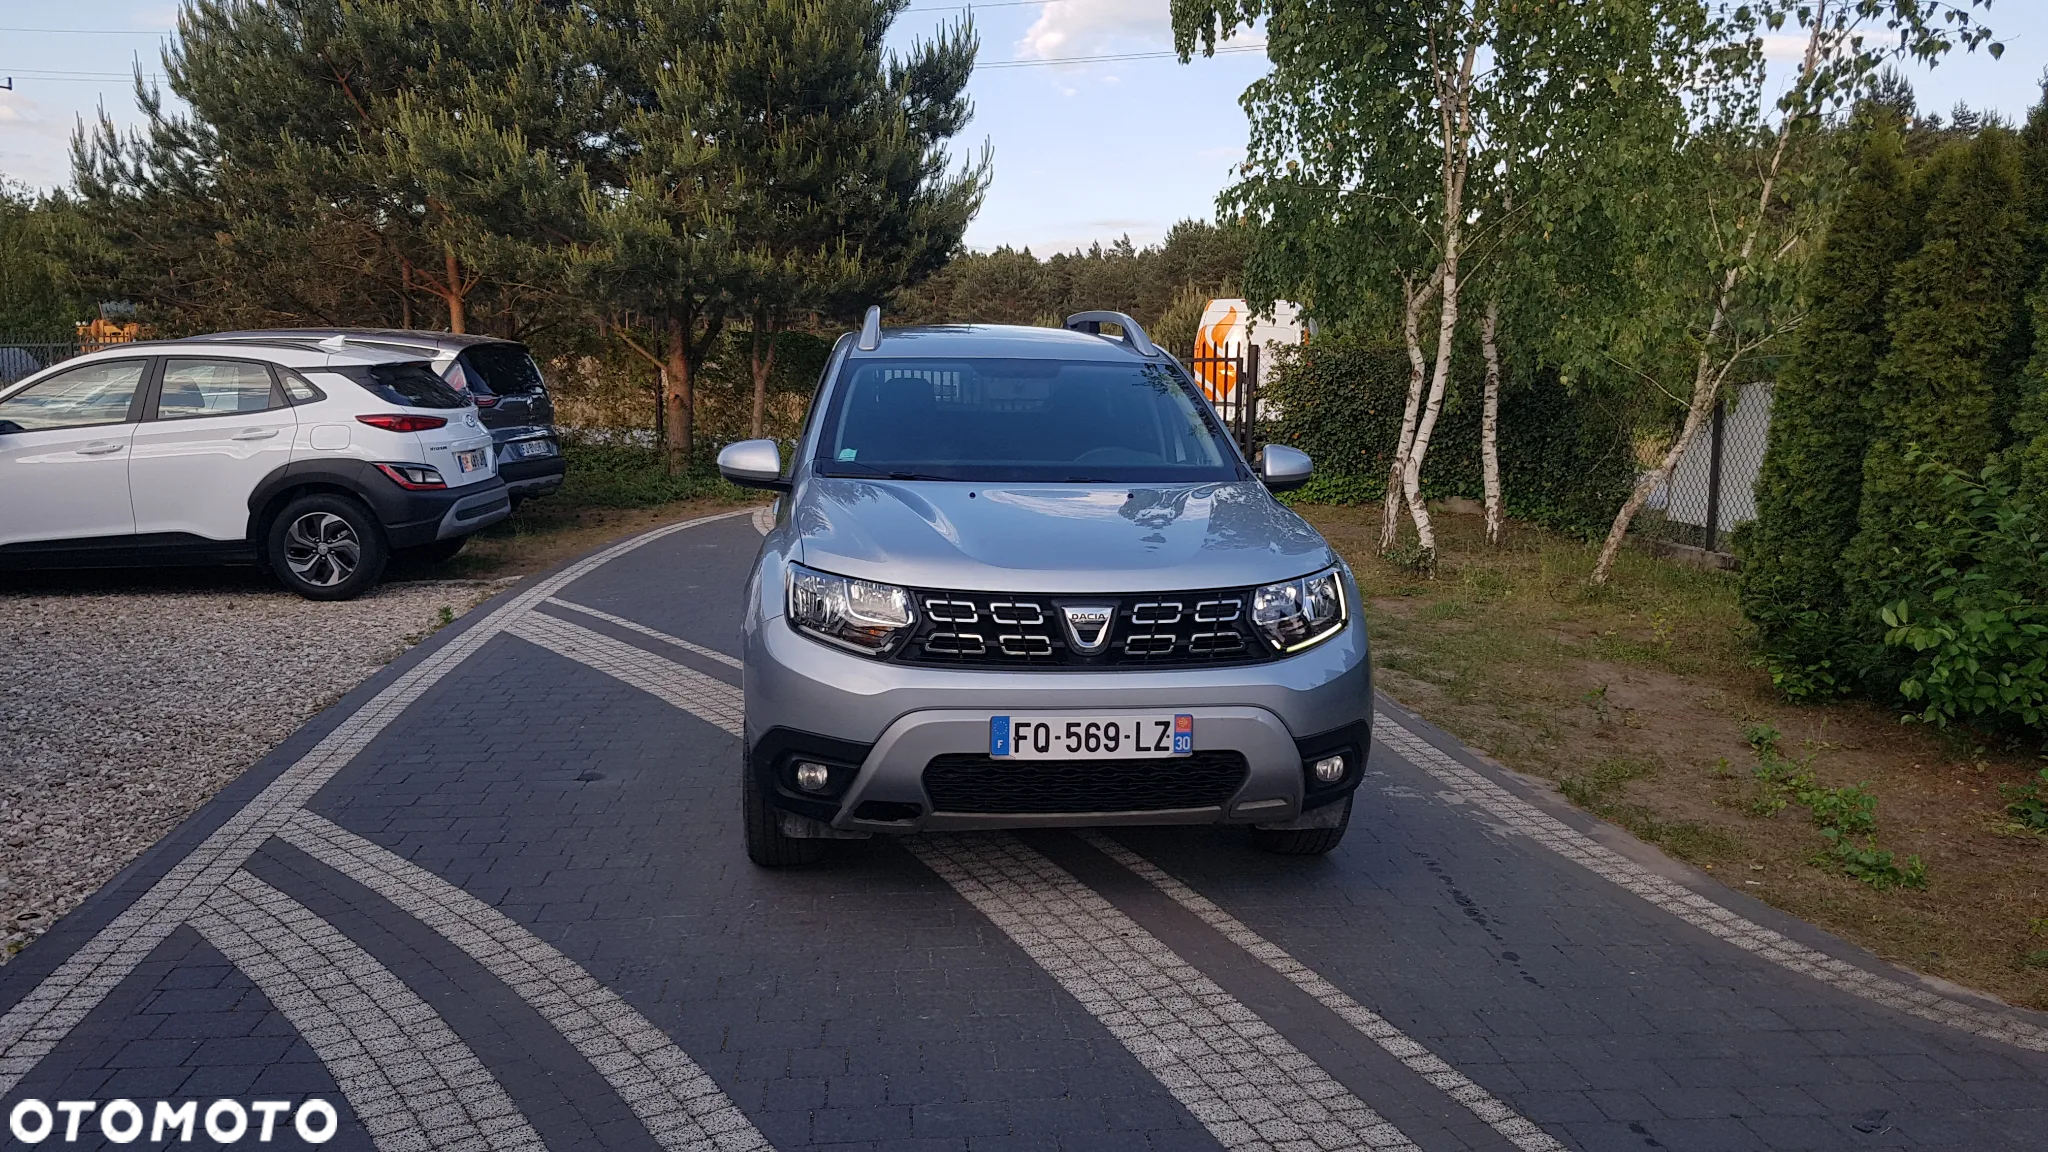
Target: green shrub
[1941, 389]
[617, 473]
[1972, 622]
[1565, 461]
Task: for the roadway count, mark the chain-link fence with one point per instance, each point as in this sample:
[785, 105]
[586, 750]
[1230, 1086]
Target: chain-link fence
[23, 355]
[1713, 490]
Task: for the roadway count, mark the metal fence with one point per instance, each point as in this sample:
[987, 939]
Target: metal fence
[24, 355]
[1713, 490]
[1229, 376]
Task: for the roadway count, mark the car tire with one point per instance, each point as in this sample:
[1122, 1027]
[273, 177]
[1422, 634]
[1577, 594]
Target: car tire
[439, 552]
[1303, 841]
[326, 547]
[767, 846]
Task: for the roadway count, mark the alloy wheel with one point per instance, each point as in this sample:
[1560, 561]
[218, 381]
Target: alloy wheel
[322, 549]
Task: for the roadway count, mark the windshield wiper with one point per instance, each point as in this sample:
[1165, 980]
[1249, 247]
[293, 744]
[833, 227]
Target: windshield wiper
[886, 473]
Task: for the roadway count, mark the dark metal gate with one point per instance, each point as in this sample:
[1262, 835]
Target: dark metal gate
[1229, 377]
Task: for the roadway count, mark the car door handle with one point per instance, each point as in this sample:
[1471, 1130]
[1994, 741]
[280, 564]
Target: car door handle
[100, 448]
[256, 434]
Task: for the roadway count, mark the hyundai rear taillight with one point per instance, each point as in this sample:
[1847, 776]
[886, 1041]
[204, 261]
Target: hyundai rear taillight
[403, 422]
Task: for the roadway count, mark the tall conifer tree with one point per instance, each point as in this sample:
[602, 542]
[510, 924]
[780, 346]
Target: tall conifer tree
[1951, 312]
[1810, 489]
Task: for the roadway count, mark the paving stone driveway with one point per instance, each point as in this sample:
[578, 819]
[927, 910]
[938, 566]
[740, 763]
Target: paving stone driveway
[496, 899]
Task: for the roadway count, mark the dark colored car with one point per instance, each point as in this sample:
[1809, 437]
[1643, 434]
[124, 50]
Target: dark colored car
[511, 396]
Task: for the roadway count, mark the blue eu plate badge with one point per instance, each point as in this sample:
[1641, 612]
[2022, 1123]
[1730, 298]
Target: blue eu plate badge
[999, 736]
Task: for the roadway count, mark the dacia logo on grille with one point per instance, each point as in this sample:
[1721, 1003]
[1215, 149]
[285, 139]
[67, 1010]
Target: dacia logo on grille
[1088, 626]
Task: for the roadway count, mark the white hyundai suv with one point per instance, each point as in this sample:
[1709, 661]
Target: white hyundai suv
[320, 459]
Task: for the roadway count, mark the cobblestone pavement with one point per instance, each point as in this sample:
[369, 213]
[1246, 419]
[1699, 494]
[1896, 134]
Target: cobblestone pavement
[496, 899]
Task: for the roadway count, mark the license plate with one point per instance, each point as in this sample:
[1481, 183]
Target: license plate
[530, 448]
[1090, 737]
[471, 460]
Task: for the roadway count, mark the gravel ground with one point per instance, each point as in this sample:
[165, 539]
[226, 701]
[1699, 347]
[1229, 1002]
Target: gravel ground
[124, 707]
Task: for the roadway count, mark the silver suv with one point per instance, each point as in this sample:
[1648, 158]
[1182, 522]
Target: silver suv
[1021, 577]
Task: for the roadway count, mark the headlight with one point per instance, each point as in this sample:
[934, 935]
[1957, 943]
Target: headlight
[1294, 614]
[858, 614]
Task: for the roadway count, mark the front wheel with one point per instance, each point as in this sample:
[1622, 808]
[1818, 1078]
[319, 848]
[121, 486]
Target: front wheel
[1303, 841]
[326, 547]
[767, 845]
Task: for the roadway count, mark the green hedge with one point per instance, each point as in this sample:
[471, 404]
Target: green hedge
[1565, 463]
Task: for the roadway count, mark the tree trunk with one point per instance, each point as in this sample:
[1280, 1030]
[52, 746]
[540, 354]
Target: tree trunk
[765, 332]
[456, 317]
[1707, 380]
[677, 404]
[1489, 420]
[1418, 370]
[1457, 127]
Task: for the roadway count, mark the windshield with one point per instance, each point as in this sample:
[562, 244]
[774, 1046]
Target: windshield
[1021, 420]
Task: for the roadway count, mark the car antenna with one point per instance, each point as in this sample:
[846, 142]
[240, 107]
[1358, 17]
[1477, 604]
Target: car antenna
[335, 343]
[870, 329]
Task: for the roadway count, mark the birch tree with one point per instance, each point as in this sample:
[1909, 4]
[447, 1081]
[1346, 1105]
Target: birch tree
[1379, 127]
[1733, 229]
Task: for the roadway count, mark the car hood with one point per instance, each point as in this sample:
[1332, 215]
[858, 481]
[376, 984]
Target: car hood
[1053, 538]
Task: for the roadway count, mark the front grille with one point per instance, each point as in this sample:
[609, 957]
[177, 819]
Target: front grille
[975, 782]
[1010, 630]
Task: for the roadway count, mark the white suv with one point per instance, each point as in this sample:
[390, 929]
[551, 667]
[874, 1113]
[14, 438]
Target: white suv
[320, 459]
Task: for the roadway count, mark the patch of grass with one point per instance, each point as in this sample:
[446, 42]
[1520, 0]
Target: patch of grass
[1509, 648]
[2027, 803]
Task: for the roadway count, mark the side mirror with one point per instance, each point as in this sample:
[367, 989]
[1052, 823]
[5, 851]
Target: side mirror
[753, 464]
[1283, 468]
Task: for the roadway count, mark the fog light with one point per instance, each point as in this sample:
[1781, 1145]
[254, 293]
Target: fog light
[1330, 769]
[812, 777]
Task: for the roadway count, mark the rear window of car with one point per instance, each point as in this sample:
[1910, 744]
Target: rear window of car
[413, 384]
[503, 369]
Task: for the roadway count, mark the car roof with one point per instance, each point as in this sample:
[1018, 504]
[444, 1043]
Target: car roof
[290, 353]
[1010, 340]
[398, 337]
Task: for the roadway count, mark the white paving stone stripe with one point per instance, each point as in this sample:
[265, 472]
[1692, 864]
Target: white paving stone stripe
[1695, 909]
[1520, 1131]
[674, 1098]
[644, 630]
[1246, 1083]
[412, 1082]
[38, 1021]
[692, 691]
[1251, 1088]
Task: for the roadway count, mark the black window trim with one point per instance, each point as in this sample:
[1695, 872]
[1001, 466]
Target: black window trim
[137, 403]
[149, 414]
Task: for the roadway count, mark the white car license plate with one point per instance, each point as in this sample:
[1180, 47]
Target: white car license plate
[1090, 737]
[470, 461]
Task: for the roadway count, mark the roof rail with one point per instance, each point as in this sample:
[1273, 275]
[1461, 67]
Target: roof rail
[1134, 336]
[870, 329]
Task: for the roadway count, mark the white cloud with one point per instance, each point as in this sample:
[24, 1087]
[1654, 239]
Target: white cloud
[35, 144]
[1066, 28]
[1784, 46]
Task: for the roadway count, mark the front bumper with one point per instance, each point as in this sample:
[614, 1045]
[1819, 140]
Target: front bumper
[880, 725]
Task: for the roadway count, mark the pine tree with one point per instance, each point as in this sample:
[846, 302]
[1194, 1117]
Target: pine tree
[1950, 315]
[2029, 451]
[350, 161]
[781, 160]
[1809, 491]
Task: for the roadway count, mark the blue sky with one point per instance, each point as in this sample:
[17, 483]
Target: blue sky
[1083, 151]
